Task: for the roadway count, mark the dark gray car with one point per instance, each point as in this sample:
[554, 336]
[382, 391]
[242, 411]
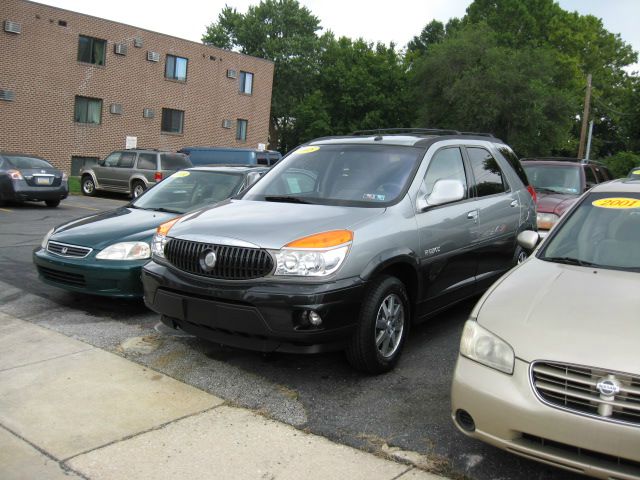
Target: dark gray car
[344, 244]
[131, 171]
[26, 177]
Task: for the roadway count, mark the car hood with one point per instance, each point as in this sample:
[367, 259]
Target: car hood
[569, 314]
[266, 224]
[556, 203]
[120, 225]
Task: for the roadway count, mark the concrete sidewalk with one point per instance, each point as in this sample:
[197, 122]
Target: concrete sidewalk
[70, 410]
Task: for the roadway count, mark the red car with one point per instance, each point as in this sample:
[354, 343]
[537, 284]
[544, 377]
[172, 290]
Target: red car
[559, 182]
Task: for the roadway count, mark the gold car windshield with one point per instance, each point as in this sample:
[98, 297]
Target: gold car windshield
[603, 231]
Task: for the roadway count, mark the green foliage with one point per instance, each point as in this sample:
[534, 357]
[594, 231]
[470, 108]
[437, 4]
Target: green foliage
[621, 163]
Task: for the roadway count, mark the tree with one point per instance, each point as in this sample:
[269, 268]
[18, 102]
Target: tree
[281, 31]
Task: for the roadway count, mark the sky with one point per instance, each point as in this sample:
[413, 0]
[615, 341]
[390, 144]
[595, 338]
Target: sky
[394, 21]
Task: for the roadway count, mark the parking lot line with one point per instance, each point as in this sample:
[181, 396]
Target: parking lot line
[6, 210]
[85, 208]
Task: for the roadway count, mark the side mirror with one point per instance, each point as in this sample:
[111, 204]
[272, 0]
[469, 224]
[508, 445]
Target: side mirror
[252, 177]
[528, 239]
[444, 191]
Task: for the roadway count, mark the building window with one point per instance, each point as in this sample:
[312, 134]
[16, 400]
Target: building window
[241, 130]
[91, 50]
[246, 83]
[172, 120]
[88, 110]
[176, 68]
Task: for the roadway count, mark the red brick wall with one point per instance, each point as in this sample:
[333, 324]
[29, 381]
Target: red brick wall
[40, 66]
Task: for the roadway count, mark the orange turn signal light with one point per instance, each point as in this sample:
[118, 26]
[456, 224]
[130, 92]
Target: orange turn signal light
[166, 226]
[332, 238]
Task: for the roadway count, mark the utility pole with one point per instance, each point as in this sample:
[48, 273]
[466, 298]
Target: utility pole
[585, 118]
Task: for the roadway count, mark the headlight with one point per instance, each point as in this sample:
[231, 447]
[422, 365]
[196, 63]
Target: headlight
[125, 251]
[546, 220]
[318, 255]
[160, 238]
[46, 238]
[484, 347]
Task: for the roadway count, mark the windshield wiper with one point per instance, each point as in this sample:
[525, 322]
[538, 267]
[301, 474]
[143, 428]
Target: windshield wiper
[161, 209]
[570, 261]
[285, 199]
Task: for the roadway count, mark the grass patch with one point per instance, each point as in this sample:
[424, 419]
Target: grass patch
[74, 186]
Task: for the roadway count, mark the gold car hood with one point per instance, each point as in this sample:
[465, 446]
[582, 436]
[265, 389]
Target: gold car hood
[565, 313]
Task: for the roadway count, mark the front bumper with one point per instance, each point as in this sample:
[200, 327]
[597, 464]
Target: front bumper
[508, 415]
[256, 315]
[89, 275]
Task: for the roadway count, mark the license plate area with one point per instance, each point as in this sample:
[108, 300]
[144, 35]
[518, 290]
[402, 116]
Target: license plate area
[43, 180]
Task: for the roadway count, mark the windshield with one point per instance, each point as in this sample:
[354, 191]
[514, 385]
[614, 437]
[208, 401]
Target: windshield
[27, 162]
[602, 232]
[187, 190]
[554, 178]
[351, 175]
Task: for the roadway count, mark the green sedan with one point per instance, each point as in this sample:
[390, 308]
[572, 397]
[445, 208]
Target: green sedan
[103, 254]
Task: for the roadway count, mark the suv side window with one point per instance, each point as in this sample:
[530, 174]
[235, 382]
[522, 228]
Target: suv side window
[173, 161]
[589, 176]
[486, 171]
[113, 159]
[127, 159]
[446, 164]
[147, 161]
[512, 158]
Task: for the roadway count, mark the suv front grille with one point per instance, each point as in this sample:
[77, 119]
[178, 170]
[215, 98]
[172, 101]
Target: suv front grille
[603, 394]
[232, 263]
[65, 250]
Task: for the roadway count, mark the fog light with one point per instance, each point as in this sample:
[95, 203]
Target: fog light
[314, 319]
[465, 420]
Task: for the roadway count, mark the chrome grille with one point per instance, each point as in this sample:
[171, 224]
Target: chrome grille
[66, 250]
[604, 394]
[232, 263]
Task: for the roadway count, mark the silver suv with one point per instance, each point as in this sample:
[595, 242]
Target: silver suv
[131, 171]
[345, 243]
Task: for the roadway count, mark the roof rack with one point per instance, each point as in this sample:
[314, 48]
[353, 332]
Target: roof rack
[427, 131]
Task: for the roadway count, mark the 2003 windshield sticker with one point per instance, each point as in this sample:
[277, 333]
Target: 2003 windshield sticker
[618, 202]
[307, 150]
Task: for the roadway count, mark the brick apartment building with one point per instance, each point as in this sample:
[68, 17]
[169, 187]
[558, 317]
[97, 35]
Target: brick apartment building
[73, 87]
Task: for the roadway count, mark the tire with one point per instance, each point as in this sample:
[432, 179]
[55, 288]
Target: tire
[52, 203]
[377, 343]
[87, 186]
[519, 256]
[137, 189]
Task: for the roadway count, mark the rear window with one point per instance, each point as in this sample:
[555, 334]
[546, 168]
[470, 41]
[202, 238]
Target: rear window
[173, 161]
[27, 162]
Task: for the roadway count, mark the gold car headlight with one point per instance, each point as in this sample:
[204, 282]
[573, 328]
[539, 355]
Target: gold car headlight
[484, 347]
[546, 220]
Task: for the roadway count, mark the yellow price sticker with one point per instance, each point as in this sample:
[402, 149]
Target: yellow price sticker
[181, 174]
[307, 150]
[636, 172]
[618, 202]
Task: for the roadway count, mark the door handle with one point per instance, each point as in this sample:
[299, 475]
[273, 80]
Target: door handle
[472, 215]
[514, 203]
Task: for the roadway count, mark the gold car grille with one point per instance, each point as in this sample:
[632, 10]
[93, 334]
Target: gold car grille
[604, 394]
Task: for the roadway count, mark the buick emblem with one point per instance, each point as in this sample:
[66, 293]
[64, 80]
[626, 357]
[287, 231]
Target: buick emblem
[608, 387]
[209, 260]
[64, 250]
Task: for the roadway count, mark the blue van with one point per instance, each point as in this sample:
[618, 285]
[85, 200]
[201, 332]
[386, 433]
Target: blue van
[230, 156]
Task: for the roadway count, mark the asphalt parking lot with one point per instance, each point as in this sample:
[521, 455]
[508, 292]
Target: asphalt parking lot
[406, 409]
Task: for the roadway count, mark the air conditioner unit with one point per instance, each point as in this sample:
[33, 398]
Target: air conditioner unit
[137, 42]
[153, 56]
[148, 113]
[120, 48]
[116, 108]
[227, 124]
[12, 27]
[7, 95]
[232, 74]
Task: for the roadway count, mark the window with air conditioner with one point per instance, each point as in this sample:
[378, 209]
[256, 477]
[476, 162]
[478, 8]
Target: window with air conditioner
[246, 83]
[88, 110]
[172, 120]
[241, 130]
[176, 68]
[91, 50]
